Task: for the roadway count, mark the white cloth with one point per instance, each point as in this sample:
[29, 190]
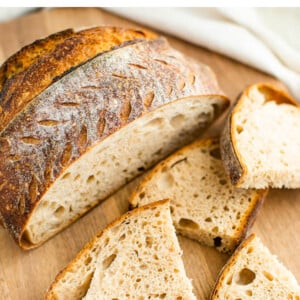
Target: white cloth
[7, 13]
[267, 39]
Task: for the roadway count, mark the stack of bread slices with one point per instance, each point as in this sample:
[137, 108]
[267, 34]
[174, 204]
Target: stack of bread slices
[83, 113]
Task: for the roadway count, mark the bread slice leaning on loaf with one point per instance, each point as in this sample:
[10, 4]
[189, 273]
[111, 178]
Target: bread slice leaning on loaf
[260, 144]
[136, 257]
[94, 128]
[204, 204]
[254, 273]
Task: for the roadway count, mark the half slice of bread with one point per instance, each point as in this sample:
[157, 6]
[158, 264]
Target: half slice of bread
[136, 257]
[204, 204]
[260, 145]
[254, 273]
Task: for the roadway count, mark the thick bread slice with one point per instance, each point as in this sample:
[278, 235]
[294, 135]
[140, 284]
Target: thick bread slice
[95, 129]
[204, 204]
[254, 273]
[19, 91]
[260, 144]
[136, 257]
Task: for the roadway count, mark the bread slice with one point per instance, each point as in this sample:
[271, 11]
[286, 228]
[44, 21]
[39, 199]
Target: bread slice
[260, 145]
[254, 273]
[95, 129]
[204, 204]
[136, 257]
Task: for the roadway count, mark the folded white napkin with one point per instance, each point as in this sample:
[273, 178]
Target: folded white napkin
[240, 33]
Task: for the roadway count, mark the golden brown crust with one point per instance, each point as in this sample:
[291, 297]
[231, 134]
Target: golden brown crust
[250, 215]
[76, 113]
[247, 219]
[72, 266]
[233, 162]
[221, 277]
[29, 54]
[20, 89]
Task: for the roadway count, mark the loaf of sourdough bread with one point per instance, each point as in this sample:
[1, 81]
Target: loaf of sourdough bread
[254, 273]
[136, 257]
[88, 115]
[205, 206]
[260, 144]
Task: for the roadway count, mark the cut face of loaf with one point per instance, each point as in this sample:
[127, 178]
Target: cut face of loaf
[254, 273]
[204, 204]
[260, 145]
[97, 128]
[136, 257]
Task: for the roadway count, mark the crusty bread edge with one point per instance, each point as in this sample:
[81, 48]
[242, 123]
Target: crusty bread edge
[50, 294]
[34, 47]
[250, 215]
[231, 156]
[224, 271]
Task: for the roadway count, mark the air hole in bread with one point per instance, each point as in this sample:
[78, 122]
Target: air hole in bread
[215, 229]
[217, 241]
[215, 153]
[141, 169]
[245, 277]
[88, 260]
[142, 195]
[90, 179]
[223, 181]
[172, 209]
[229, 280]
[157, 122]
[187, 223]
[77, 177]
[122, 237]
[67, 175]
[149, 241]
[177, 121]
[249, 292]
[162, 296]
[268, 275]
[108, 261]
[239, 129]
[59, 211]
[208, 219]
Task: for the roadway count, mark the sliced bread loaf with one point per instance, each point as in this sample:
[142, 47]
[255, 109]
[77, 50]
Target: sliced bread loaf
[204, 204]
[260, 145]
[94, 129]
[254, 273]
[136, 257]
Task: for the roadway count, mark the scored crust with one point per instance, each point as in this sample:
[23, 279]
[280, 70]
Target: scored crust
[232, 159]
[65, 120]
[67, 54]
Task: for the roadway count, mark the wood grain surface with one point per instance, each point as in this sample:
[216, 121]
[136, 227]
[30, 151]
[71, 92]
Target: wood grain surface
[26, 275]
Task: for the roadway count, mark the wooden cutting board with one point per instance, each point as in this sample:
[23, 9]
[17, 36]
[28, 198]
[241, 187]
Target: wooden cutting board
[26, 275]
